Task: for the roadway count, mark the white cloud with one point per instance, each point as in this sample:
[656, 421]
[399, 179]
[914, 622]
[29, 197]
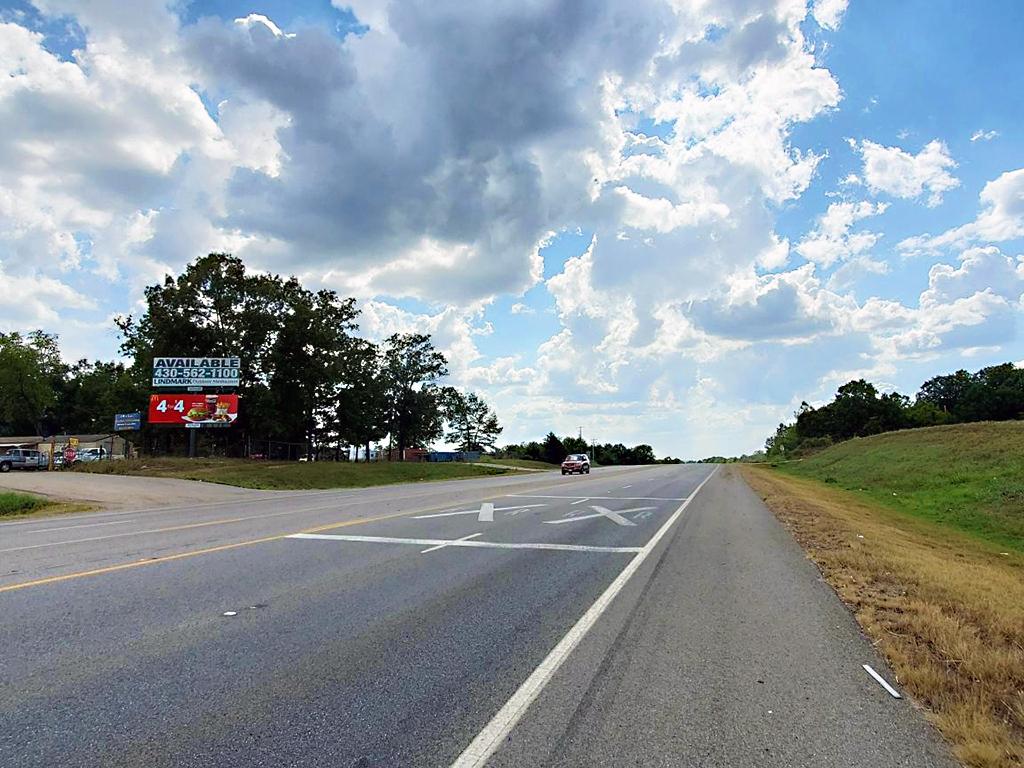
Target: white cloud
[1001, 219]
[832, 240]
[898, 173]
[828, 13]
[31, 301]
[983, 135]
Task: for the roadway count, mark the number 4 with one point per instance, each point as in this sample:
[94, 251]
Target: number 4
[162, 407]
[179, 406]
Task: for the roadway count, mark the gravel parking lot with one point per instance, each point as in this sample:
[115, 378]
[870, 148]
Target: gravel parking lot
[122, 492]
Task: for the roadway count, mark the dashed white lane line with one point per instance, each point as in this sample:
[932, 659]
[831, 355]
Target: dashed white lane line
[495, 732]
[466, 543]
[579, 502]
[599, 498]
[69, 527]
[882, 682]
[442, 546]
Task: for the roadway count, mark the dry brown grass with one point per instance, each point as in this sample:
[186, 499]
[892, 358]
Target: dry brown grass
[945, 609]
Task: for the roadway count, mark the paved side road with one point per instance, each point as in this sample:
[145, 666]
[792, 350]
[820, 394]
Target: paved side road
[392, 627]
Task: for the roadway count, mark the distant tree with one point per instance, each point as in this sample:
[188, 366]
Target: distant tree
[642, 454]
[947, 393]
[472, 425]
[553, 451]
[784, 441]
[574, 444]
[92, 393]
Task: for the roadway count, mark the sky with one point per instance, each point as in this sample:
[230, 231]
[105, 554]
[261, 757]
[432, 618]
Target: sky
[657, 221]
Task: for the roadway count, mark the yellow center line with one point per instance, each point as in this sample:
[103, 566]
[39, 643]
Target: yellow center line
[193, 553]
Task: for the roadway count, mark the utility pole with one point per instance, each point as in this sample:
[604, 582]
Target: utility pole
[581, 432]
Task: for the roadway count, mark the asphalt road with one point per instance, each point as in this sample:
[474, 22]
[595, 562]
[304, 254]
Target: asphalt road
[645, 617]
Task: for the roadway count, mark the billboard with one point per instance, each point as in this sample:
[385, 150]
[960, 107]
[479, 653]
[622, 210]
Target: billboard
[193, 410]
[127, 421]
[196, 371]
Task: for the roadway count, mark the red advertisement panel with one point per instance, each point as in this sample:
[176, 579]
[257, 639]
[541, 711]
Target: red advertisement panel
[200, 410]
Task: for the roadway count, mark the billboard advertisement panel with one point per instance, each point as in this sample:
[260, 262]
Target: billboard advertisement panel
[193, 410]
[196, 371]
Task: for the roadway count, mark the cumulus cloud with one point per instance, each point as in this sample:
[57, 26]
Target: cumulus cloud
[828, 13]
[1001, 219]
[898, 173]
[832, 240]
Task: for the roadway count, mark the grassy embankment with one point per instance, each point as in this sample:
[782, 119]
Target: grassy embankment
[524, 463]
[12, 503]
[292, 475]
[921, 533]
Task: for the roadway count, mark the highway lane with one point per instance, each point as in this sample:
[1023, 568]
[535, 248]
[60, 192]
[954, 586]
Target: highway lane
[397, 648]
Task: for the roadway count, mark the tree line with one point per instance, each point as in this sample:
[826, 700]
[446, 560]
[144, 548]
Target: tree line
[995, 393]
[306, 376]
[554, 449]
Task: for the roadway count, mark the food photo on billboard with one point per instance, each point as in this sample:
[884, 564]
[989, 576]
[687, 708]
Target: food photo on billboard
[186, 410]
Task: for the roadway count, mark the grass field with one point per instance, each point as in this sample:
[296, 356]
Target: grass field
[920, 534]
[12, 503]
[524, 463]
[966, 476]
[271, 475]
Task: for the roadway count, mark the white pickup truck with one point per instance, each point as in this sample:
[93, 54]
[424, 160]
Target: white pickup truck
[23, 458]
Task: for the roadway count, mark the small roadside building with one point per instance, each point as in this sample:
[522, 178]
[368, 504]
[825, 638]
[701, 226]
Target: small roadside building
[113, 444]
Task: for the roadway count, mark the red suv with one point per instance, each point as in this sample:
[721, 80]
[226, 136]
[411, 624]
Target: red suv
[576, 462]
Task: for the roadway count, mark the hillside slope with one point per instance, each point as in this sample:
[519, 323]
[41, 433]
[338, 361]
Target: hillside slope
[966, 476]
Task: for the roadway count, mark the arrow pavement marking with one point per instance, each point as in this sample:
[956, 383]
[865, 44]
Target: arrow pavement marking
[485, 514]
[615, 517]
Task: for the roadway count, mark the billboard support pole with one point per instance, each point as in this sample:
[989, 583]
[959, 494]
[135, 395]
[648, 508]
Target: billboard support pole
[192, 443]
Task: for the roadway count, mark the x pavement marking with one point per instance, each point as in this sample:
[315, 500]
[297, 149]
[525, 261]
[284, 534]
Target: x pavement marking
[615, 517]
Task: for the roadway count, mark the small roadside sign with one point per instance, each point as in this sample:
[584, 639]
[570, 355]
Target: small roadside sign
[69, 455]
[73, 442]
[124, 422]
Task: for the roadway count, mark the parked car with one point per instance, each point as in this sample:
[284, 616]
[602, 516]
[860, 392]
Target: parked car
[576, 462]
[23, 458]
[92, 454]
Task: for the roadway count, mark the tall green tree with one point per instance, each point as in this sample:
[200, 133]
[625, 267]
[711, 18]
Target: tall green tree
[362, 405]
[412, 367]
[472, 425]
[31, 374]
[294, 344]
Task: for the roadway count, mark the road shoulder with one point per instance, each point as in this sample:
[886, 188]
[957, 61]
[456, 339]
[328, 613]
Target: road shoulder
[946, 610]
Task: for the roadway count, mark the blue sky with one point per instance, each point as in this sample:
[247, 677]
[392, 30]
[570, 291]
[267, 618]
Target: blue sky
[673, 239]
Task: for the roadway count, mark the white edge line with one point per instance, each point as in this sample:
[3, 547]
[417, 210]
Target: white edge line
[464, 543]
[495, 732]
[882, 682]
